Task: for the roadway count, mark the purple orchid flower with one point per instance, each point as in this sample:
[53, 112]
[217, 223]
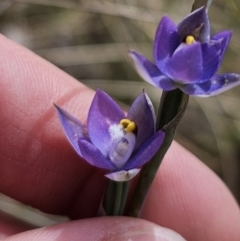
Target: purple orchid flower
[111, 140]
[187, 58]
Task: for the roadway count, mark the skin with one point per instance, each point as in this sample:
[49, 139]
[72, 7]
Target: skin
[39, 168]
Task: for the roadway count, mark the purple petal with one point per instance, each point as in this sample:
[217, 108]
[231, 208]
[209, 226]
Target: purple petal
[103, 112]
[166, 83]
[165, 43]
[185, 66]
[213, 53]
[93, 156]
[224, 38]
[146, 151]
[217, 85]
[142, 113]
[195, 24]
[73, 128]
[150, 72]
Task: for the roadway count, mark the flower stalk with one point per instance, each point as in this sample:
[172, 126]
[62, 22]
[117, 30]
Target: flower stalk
[171, 109]
[115, 198]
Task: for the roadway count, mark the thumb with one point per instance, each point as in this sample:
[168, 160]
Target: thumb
[104, 228]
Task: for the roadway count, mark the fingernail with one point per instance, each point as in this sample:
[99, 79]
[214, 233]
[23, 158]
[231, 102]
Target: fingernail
[153, 233]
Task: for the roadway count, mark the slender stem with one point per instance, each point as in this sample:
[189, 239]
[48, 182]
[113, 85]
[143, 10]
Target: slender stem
[109, 200]
[171, 103]
[115, 197]
[118, 199]
[199, 3]
[168, 118]
[124, 197]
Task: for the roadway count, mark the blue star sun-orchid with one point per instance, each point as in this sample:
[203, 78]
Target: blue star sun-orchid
[112, 140]
[187, 57]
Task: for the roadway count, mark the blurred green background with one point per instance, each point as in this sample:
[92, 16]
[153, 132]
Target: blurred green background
[89, 40]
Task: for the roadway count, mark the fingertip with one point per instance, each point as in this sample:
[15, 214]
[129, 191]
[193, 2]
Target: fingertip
[107, 228]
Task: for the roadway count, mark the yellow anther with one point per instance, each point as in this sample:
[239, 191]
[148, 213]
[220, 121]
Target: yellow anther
[190, 40]
[129, 126]
[125, 122]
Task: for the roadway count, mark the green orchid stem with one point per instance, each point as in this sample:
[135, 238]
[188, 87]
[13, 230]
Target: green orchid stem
[115, 198]
[172, 104]
[199, 3]
[171, 109]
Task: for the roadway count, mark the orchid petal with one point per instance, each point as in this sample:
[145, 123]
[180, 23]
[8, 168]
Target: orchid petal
[146, 151]
[217, 85]
[142, 113]
[166, 83]
[195, 24]
[123, 176]
[72, 127]
[93, 156]
[185, 66]
[103, 113]
[150, 72]
[224, 38]
[165, 43]
[213, 53]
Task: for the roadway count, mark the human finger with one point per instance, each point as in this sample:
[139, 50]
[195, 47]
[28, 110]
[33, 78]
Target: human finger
[38, 166]
[107, 228]
[188, 197]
